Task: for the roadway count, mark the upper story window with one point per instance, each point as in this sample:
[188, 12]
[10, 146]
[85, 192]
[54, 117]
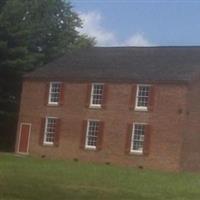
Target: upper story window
[50, 130]
[137, 141]
[92, 132]
[54, 93]
[142, 97]
[96, 95]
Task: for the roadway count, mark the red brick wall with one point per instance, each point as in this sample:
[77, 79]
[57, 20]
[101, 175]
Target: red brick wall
[190, 159]
[167, 121]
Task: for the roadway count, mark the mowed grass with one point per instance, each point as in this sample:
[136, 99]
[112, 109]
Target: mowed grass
[41, 179]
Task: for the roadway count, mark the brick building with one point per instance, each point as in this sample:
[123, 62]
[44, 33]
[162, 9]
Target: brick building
[122, 105]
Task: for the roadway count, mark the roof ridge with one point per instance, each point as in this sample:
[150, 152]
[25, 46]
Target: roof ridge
[155, 46]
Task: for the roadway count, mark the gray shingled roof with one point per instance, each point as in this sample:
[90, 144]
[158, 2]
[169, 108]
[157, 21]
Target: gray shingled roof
[124, 64]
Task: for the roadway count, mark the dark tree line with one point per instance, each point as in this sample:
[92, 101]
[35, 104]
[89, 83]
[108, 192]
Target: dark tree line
[32, 33]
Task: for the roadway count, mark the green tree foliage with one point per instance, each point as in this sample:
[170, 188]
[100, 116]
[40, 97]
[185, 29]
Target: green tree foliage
[32, 33]
[2, 3]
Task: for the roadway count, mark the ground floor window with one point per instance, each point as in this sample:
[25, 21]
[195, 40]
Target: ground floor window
[92, 133]
[137, 140]
[50, 130]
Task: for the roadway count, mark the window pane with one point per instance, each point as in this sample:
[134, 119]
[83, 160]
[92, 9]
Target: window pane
[142, 101]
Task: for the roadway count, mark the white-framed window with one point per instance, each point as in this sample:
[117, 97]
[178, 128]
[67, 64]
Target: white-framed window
[50, 130]
[142, 97]
[92, 134]
[54, 93]
[96, 95]
[137, 139]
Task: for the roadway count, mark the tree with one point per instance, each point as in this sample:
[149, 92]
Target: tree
[32, 33]
[2, 3]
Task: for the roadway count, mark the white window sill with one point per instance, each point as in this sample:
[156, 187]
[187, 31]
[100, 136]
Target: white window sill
[136, 152]
[53, 104]
[95, 106]
[90, 147]
[48, 144]
[142, 109]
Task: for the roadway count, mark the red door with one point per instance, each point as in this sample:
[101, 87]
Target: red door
[24, 137]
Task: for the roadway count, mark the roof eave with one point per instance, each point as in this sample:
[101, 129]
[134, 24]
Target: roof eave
[120, 81]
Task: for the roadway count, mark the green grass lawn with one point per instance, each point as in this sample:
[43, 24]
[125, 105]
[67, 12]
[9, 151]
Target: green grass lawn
[40, 179]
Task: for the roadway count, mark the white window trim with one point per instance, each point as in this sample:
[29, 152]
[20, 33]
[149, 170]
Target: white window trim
[139, 152]
[45, 129]
[49, 97]
[91, 97]
[86, 138]
[140, 108]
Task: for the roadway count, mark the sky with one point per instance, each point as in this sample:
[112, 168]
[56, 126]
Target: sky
[140, 22]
